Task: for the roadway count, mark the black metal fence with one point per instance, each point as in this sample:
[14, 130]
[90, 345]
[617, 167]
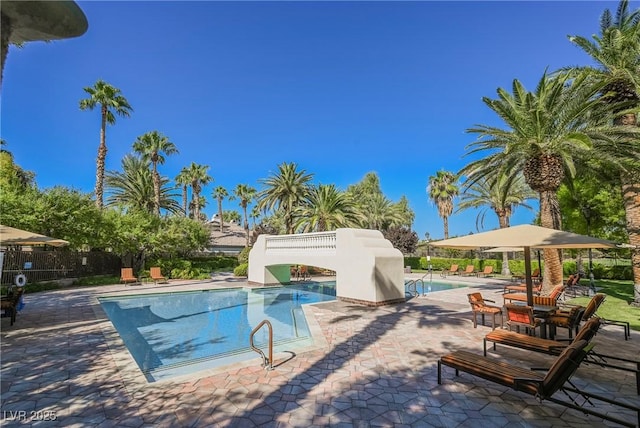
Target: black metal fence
[51, 265]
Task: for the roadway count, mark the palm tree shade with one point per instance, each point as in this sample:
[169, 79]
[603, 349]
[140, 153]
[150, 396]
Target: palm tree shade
[153, 147]
[442, 188]
[111, 103]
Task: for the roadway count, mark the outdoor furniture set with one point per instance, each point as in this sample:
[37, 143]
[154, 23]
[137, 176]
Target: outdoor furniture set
[155, 275]
[570, 354]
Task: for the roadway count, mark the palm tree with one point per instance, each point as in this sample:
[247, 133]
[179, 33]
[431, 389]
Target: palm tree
[245, 194]
[616, 52]
[152, 146]
[111, 103]
[502, 194]
[198, 177]
[182, 179]
[326, 208]
[442, 189]
[133, 187]
[220, 193]
[255, 214]
[285, 190]
[547, 130]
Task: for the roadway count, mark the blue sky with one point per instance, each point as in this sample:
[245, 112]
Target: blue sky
[340, 88]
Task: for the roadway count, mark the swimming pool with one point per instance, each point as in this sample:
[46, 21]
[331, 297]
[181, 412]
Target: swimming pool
[179, 333]
[172, 334]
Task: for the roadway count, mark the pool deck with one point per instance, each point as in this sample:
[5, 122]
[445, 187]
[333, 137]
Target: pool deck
[370, 367]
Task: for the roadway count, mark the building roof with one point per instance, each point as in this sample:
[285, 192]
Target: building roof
[232, 235]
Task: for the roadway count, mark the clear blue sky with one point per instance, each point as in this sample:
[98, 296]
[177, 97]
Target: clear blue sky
[340, 88]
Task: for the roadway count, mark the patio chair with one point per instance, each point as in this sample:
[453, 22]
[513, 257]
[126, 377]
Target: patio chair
[554, 347]
[542, 387]
[479, 306]
[11, 303]
[487, 271]
[522, 316]
[126, 276]
[550, 300]
[566, 319]
[453, 270]
[156, 275]
[470, 270]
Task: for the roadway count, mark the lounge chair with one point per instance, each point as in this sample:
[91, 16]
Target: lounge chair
[522, 316]
[542, 387]
[550, 300]
[535, 276]
[156, 275]
[592, 308]
[10, 303]
[126, 276]
[487, 271]
[470, 270]
[453, 270]
[479, 306]
[569, 320]
[522, 288]
[554, 347]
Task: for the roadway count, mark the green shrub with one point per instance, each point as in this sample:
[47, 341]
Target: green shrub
[243, 256]
[241, 270]
[414, 262]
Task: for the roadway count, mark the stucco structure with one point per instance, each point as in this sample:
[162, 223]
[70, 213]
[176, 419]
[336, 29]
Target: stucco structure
[368, 268]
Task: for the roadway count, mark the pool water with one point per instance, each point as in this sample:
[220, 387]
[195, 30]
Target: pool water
[172, 334]
[179, 333]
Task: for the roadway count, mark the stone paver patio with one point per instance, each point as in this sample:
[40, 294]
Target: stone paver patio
[369, 367]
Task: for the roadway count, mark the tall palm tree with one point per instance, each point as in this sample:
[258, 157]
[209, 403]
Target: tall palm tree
[245, 194]
[442, 188]
[616, 53]
[220, 193]
[182, 179]
[325, 208]
[502, 194]
[133, 188]
[198, 177]
[285, 190]
[255, 214]
[546, 131]
[112, 103]
[153, 146]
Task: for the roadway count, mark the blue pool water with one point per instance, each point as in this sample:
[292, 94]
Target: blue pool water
[170, 334]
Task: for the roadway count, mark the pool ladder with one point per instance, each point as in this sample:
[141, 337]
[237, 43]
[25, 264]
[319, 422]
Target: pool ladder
[267, 362]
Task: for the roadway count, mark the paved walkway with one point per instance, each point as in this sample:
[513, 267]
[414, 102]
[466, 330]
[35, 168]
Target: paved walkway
[371, 367]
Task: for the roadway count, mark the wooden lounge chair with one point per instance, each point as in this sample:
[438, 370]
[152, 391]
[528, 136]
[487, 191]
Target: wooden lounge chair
[127, 277]
[453, 270]
[487, 271]
[156, 275]
[522, 316]
[569, 320]
[592, 308]
[9, 304]
[522, 288]
[554, 347]
[542, 387]
[552, 298]
[469, 271]
[479, 306]
[535, 276]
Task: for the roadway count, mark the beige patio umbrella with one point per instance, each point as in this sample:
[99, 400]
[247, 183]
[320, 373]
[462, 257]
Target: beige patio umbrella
[525, 236]
[13, 236]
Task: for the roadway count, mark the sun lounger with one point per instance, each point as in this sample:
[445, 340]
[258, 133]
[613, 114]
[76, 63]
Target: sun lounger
[487, 271]
[554, 347]
[469, 271]
[542, 387]
[453, 270]
[127, 277]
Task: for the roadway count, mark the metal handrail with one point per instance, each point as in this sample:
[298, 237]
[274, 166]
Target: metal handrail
[267, 362]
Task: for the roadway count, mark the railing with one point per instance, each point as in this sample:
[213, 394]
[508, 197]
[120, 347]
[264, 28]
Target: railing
[267, 362]
[320, 242]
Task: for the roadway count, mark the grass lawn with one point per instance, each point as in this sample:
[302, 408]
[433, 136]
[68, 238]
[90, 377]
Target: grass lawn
[617, 304]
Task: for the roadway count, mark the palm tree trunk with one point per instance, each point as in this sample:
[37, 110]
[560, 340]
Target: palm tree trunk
[184, 200]
[631, 197]
[5, 34]
[246, 223]
[550, 217]
[100, 161]
[220, 214]
[503, 221]
[156, 190]
[445, 222]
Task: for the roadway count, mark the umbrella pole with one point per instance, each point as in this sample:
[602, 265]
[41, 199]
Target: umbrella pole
[527, 275]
